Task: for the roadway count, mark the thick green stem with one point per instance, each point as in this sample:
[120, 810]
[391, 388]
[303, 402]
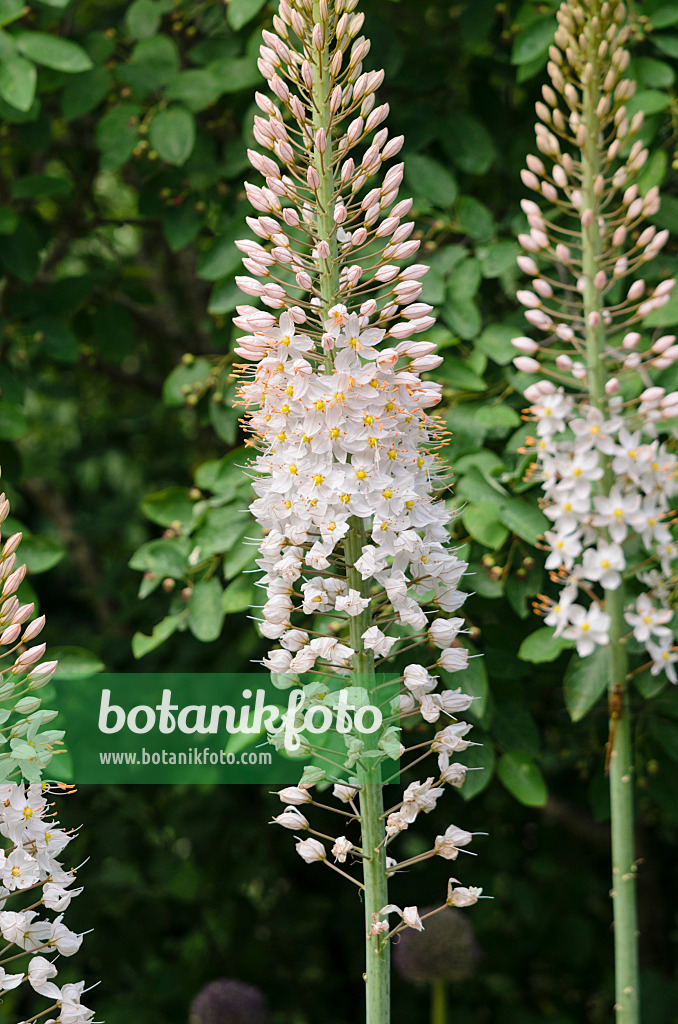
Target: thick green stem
[438, 1002]
[377, 955]
[620, 754]
[377, 966]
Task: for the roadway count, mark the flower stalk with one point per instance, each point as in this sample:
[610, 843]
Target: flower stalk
[607, 475]
[355, 555]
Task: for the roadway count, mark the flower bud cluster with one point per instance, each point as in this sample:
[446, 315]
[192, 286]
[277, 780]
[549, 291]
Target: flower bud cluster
[608, 477]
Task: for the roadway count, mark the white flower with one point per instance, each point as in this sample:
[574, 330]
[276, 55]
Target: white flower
[615, 512]
[295, 795]
[311, 850]
[453, 659]
[341, 849]
[409, 916]
[63, 939]
[663, 657]
[647, 621]
[564, 549]
[9, 981]
[352, 603]
[604, 564]
[589, 628]
[462, 896]
[344, 793]
[375, 640]
[443, 631]
[291, 818]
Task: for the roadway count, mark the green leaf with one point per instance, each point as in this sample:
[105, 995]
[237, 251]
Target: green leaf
[59, 342]
[224, 476]
[33, 185]
[84, 92]
[171, 505]
[114, 331]
[235, 74]
[463, 317]
[654, 171]
[475, 486]
[222, 259]
[225, 297]
[430, 180]
[183, 377]
[240, 12]
[205, 612]
[468, 144]
[13, 423]
[481, 759]
[9, 219]
[483, 525]
[542, 646]
[525, 520]
[20, 253]
[650, 101]
[667, 316]
[523, 778]
[117, 135]
[534, 41]
[40, 553]
[162, 557]
[665, 16]
[143, 18]
[475, 219]
[665, 733]
[223, 528]
[172, 135]
[653, 74]
[74, 662]
[142, 644]
[499, 257]
[10, 10]
[500, 418]
[514, 728]
[53, 52]
[585, 681]
[474, 682]
[197, 88]
[224, 420]
[649, 686]
[181, 225]
[459, 376]
[17, 82]
[495, 342]
[238, 595]
[153, 63]
[668, 44]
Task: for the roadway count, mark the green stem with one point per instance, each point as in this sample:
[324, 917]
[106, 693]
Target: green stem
[375, 894]
[375, 880]
[621, 754]
[438, 1002]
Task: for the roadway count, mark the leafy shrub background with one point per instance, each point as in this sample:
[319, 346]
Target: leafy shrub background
[122, 160]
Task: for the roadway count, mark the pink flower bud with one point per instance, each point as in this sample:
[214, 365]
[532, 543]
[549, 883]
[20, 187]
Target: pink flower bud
[13, 582]
[526, 365]
[32, 631]
[9, 635]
